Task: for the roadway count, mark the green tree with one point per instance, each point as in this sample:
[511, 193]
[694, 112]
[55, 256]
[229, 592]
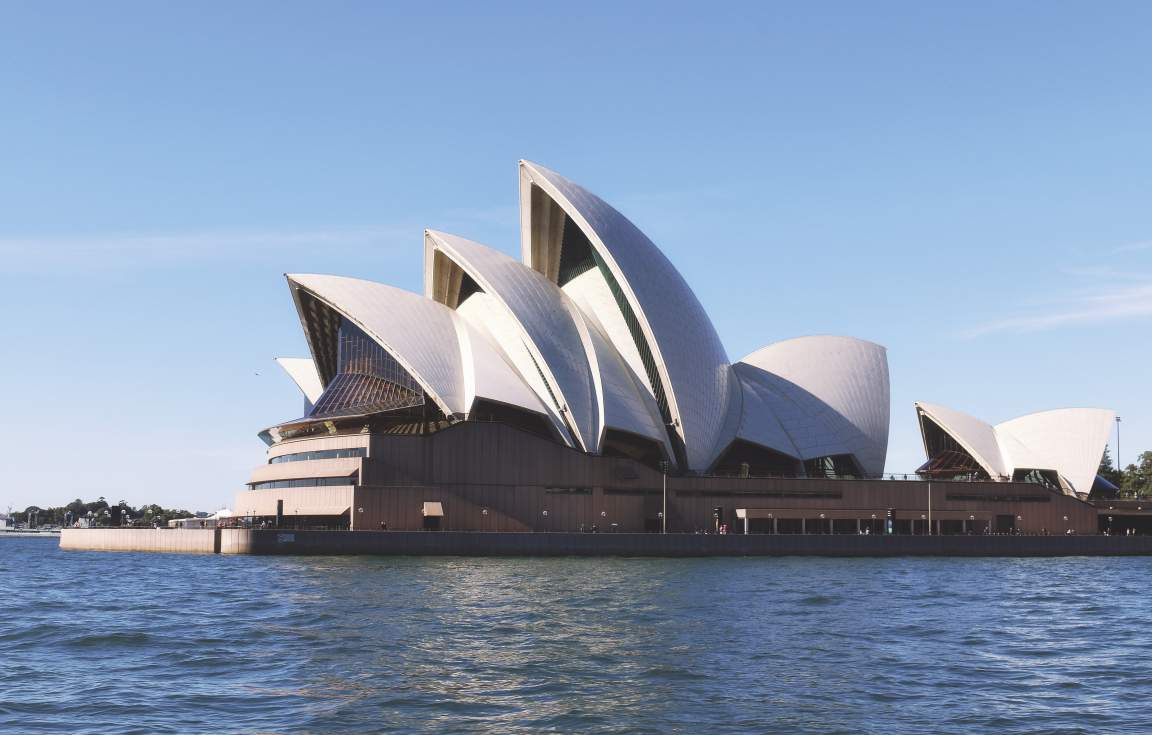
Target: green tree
[1108, 470]
[1138, 477]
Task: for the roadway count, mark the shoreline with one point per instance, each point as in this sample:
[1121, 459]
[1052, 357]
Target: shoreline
[473, 543]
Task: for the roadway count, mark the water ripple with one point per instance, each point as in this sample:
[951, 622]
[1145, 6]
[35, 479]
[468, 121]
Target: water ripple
[137, 643]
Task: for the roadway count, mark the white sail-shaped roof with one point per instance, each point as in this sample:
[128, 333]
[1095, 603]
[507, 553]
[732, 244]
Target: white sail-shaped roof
[452, 362]
[625, 403]
[573, 364]
[303, 372]
[550, 327]
[846, 375]
[688, 363]
[1067, 441]
[975, 436]
[762, 409]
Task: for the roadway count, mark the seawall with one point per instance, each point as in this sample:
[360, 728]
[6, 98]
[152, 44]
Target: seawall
[183, 541]
[452, 543]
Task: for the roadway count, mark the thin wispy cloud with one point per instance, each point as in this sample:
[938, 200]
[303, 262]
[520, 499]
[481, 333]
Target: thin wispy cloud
[98, 252]
[1133, 247]
[1091, 293]
[1103, 305]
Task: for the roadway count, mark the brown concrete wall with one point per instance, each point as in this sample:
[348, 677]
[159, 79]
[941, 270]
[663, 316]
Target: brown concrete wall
[670, 545]
[238, 541]
[263, 502]
[184, 541]
[473, 467]
[521, 508]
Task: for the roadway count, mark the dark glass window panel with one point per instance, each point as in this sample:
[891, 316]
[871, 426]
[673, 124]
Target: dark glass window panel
[368, 379]
[321, 454]
[575, 252]
[304, 482]
[838, 465]
[946, 458]
[322, 325]
[467, 288]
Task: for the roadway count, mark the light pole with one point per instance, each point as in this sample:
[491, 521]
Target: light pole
[664, 509]
[929, 507]
[1119, 464]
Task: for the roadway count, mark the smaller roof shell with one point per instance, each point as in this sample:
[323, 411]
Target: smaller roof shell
[1068, 441]
[830, 395]
[303, 372]
[453, 363]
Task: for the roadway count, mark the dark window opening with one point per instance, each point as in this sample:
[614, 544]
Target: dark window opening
[747, 459]
[467, 288]
[532, 423]
[1044, 478]
[999, 498]
[575, 253]
[821, 494]
[425, 418]
[625, 445]
[947, 460]
[835, 466]
[304, 482]
[322, 326]
[321, 454]
[368, 379]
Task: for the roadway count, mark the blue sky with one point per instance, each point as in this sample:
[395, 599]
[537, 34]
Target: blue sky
[969, 185]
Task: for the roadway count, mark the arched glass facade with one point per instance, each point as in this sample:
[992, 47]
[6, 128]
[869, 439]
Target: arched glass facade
[368, 379]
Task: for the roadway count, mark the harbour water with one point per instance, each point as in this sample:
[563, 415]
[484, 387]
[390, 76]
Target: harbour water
[146, 643]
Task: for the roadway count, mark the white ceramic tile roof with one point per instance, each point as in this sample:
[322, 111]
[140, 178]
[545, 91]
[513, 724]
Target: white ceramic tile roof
[1068, 441]
[699, 384]
[844, 374]
[303, 372]
[451, 361]
[549, 328]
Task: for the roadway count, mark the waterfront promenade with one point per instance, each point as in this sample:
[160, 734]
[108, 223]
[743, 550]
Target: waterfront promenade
[462, 543]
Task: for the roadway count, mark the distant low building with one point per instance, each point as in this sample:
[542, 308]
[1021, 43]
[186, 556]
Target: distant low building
[207, 521]
[6, 523]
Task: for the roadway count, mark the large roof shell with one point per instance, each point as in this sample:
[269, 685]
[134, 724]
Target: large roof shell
[1068, 441]
[700, 388]
[840, 385]
[977, 437]
[453, 363]
[550, 326]
[582, 368]
[625, 404]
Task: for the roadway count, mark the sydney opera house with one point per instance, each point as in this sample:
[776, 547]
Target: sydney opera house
[583, 387]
